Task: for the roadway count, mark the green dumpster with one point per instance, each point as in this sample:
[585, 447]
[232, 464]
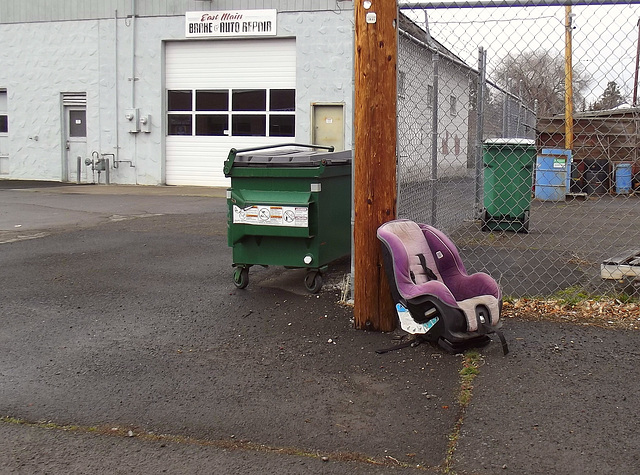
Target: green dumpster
[508, 180]
[288, 207]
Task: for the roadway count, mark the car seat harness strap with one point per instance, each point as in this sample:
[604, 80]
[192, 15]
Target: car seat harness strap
[430, 274]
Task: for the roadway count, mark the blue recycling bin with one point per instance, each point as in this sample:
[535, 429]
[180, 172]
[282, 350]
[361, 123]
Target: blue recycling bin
[551, 178]
[568, 156]
[624, 176]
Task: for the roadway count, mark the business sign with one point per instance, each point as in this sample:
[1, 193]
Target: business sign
[230, 23]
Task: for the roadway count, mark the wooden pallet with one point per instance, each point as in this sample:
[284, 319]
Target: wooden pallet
[620, 267]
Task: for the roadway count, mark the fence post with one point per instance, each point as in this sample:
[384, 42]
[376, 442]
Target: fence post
[505, 108]
[375, 158]
[434, 140]
[482, 56]
[519, 116]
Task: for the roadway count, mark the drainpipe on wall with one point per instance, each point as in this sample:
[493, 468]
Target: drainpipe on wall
[133, 54]
[115, 158]
[133, 80]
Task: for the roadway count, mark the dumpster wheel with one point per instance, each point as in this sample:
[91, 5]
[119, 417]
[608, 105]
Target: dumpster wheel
[241, 277]
[313, 281]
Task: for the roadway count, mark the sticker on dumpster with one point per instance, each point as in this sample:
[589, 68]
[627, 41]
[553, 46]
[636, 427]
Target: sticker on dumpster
[559, 163]
[289, 216]
[265, 215]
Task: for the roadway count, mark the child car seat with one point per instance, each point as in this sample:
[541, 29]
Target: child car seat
[435, 297]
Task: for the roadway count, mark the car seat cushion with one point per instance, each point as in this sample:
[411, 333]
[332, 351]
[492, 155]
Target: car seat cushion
[466, 286]
[468, 307]
[444, 254]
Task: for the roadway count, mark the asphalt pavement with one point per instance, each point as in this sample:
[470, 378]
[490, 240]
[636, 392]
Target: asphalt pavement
[126, 348]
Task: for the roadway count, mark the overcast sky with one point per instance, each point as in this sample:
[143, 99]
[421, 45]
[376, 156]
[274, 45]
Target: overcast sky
[604, 38]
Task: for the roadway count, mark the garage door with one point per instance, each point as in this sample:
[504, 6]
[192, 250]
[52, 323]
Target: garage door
[223, 94]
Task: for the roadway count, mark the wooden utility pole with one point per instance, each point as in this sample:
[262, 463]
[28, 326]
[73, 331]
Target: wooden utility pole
[374, 191]
[568, 80]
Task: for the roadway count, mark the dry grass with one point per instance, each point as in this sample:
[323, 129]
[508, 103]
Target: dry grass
[604, 312]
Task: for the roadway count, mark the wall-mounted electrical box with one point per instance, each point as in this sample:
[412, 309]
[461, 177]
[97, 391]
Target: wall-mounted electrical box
[145, 123]
[133, 116]
[100, 164]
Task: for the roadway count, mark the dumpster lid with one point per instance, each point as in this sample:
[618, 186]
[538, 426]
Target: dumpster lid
[511, 141]
[292, 158]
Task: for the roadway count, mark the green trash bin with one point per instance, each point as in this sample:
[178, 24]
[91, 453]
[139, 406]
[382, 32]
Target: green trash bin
[288, 207]
[508, 180]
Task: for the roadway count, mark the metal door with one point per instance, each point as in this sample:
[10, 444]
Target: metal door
[75, 143]
[328, 125]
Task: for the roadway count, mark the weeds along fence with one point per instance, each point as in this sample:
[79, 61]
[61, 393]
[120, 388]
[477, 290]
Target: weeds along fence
[518, 135]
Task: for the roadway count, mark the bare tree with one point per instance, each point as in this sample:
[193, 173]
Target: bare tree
[540, 76]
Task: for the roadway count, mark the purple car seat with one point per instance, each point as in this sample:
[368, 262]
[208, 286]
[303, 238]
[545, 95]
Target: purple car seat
[435, 298]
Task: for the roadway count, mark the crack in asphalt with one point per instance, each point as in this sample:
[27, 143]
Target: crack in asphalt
[22, 237]
[226, 444]
[468, 373]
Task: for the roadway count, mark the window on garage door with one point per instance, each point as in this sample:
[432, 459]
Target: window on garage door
[4, 118]
[180, 106]
[232, 112]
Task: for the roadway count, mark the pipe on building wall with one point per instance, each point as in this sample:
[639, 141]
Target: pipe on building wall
[115, 158]
[133, 81]
[133, 54]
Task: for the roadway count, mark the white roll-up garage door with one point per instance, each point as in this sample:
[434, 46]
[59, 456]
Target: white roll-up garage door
[223, 94]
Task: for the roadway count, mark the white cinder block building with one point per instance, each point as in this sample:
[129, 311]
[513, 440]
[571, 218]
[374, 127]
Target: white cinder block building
[163, 92]
[158, 91]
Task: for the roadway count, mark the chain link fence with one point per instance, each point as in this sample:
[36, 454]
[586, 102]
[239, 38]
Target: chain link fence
[518, 136]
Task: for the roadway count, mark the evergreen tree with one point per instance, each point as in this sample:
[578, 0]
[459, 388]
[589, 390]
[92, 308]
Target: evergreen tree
[611, 98]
